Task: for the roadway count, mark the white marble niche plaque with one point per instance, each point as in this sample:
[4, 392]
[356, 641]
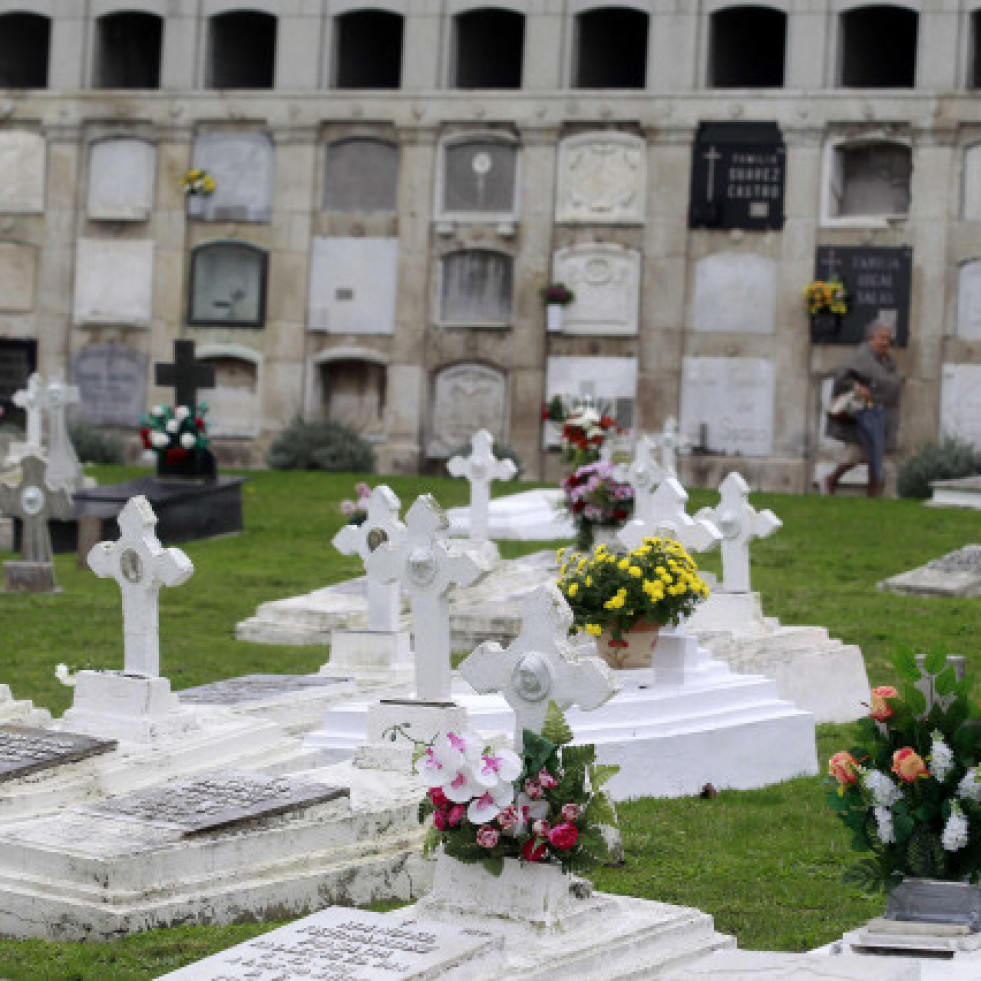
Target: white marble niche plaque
[467, 397]
[960, 402]
[242, 165]
[735, 292]
[733, 399]
[606, 282]
[113, 282]
[352, 285]
[233, 404]
[971, 183]
[23, 158]
[602, 179]
[18, 277]
[122, 174]
[969, 300]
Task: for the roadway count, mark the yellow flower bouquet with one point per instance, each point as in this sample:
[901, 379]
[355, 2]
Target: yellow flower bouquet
[198, 182]
[826, 297]
[658, 582]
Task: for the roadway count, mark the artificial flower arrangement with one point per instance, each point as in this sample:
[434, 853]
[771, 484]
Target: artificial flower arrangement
[557, 294]
[357, 510]
[174, 433]
[910, 791]
[198, 182]
[656, 583]
[546, 806]
[826, 296]
[594, 497]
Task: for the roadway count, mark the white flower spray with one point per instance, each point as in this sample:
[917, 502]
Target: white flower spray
[884, 791]
[970, 785]
[956, 830]
[883, 821]
[941, 757]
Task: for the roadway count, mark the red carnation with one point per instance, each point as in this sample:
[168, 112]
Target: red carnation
[438, 798]
[563, 836]
[534, 850]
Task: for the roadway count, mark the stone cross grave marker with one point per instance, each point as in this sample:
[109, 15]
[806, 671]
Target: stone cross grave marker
[671, 443]
[35, 503]
[480, 468]
[668, 519]
[540, 666]
[64, 469]
[381, 525]
[739, 523]
[31, 400]
[644, 473]
[141, 565]
[428, 568]
[186, 375]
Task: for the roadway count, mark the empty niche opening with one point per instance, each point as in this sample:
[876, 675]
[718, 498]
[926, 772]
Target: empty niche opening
[128, 51]
[476, 287]
[242, 50]
[871, 179]
[232, 403]
[361, 175]
[24, 44]
[368, 50]
[479, 177]
[878, 47]
[611, 49]
[974, 68]
[489, 46]
[228, 284]
[747, 48]
[354, 393]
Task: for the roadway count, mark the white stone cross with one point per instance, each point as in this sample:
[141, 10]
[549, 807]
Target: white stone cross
[644, 474]
[141, 565]
[428, 567]
[739, 523]
[36, 503]
[668, 519]
[540, 666]
[64, 469]
[671, 443]
[31, 400]
[480, 468]
[381, 525]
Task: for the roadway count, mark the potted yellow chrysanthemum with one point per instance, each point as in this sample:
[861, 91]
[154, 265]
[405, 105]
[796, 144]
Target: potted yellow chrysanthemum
[614, 596]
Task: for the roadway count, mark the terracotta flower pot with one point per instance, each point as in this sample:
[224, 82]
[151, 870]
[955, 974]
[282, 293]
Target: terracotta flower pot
[635, 651]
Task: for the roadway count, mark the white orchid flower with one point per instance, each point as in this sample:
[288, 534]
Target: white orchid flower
[500, 766]
[490, 803]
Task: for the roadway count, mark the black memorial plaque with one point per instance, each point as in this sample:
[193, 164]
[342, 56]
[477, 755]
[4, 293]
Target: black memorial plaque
[217, 800]
[256, 688]
[738, 173]
[877, 281]
[26, 749]
[18, 361]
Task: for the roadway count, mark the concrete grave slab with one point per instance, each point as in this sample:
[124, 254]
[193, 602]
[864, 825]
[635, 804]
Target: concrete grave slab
[963, 492]
[957, 573]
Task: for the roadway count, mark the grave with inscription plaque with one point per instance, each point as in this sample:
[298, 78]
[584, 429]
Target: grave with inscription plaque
[111, 380]
[25, 750]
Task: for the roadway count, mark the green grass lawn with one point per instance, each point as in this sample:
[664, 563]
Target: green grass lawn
[766, 864]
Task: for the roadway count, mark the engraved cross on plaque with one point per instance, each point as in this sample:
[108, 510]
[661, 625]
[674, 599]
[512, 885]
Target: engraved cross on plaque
[711, 155]
[480, 468]
[186, 375]
[381, 525]
[739, 523]
[428, 567]
[668, 519]
[31, 400]
[35, 503]
[141, 565]
[540, 666]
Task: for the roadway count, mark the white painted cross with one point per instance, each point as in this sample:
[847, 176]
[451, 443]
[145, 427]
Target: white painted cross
[668, 519]
[480, 468]
[540, 666]
[671, 443]
[428, 567]
[141, 565]
[381, 525]
[64, 469]
[35, 503]
[739, 523]
[31, 400]
[644, 474]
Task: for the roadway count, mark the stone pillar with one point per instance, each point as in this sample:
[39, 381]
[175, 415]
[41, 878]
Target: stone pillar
[66, 57]
[807, 54]
[422, 43]
[936, 41]
[178, 64]
[544, 67]
[298, 37]
[672, 45]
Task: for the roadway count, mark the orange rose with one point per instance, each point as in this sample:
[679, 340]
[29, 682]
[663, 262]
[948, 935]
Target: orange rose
[842, 767]
[880, 708]
[908, 765]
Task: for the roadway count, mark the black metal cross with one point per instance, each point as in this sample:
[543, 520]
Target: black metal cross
[186, 375]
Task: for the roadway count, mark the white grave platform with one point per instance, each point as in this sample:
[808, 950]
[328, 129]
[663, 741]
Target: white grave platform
[533, 516]
[20, 711]
[964, 492]
[221, 847]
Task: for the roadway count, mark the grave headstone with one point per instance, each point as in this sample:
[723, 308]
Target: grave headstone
[242, 165]
[64, 468]
[739, 523]
[602, 179]
[113, 282]
[25, 750]
[18, 277]
[540, 666]
[353, 285]
[480, 468]
[877, 280]
[140, 565]
[644, 473]
[606, 282]
[667, 518]
[111, 380]
[23, 172]
[735, 292]
[428, 567]
[122, 176]
[467, 397]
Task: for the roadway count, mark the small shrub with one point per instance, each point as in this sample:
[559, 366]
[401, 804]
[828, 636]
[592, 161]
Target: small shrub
[95, 445]
[943, 459]
[500, 450]
[320, 446]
